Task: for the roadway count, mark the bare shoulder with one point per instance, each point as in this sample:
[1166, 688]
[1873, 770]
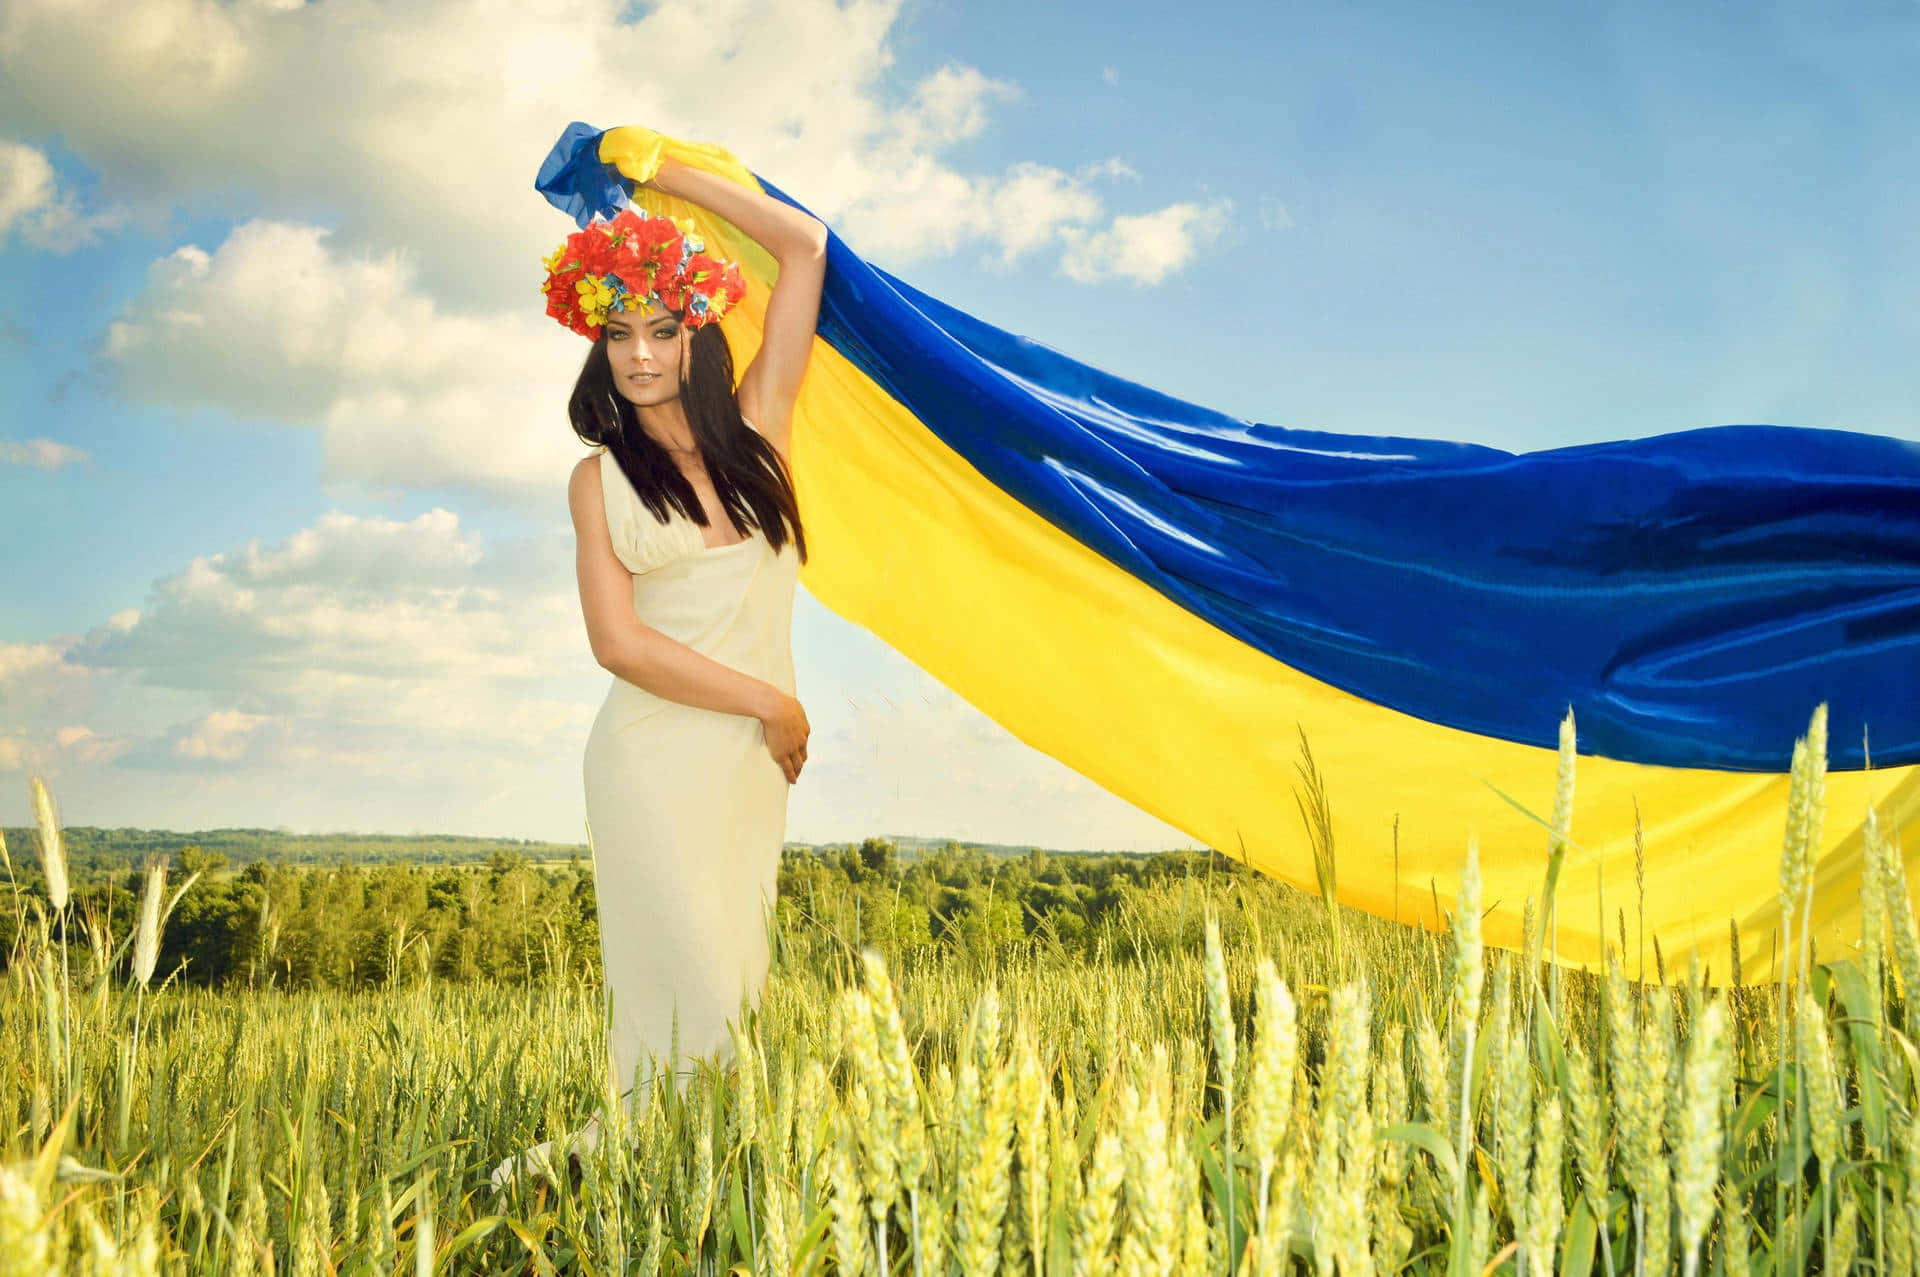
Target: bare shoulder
[583, 484]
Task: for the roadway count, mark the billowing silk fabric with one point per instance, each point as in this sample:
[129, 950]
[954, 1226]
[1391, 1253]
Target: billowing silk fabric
[1164, 597]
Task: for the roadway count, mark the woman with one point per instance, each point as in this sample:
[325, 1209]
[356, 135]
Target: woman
[688, 548]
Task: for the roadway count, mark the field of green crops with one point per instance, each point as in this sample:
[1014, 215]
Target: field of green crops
[1256, 1083]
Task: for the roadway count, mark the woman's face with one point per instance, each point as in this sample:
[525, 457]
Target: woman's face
[644, 351]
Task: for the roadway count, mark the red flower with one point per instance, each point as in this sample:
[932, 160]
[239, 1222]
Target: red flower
[657, 248]
[645, 253]
[597, 253]
[732, 286]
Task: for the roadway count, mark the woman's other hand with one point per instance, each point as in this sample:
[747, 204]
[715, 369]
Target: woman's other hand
[784, 724]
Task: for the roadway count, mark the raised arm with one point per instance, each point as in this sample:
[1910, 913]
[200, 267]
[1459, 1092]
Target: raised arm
[796, 241]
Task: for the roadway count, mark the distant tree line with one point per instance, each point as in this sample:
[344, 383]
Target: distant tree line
[93, 850]
[510, 919]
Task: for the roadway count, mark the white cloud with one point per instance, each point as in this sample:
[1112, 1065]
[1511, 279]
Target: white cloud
[274, 323]
[1145, 248]
[20, 662]
[43, 454]
[46, 701]
[951, 105]
[430, 138]
[1112, 166]
[26, 183]
[370, 673]
[81, 744]
[360, 673]
[366, 616]
[1035, 205]
[220, 740]
[409, 329]
[35, 205]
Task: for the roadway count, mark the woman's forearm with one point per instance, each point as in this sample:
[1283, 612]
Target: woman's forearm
[671, 670]
[783, 230]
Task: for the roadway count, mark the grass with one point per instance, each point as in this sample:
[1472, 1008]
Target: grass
[1243, 1081]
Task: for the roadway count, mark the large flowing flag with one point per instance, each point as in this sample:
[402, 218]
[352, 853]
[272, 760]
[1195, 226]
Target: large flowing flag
[1180, 605]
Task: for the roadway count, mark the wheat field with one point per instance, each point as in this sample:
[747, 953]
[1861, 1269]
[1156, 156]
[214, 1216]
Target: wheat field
[1252, 1081]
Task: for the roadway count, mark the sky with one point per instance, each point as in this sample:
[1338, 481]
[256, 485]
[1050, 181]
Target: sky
[283, 449]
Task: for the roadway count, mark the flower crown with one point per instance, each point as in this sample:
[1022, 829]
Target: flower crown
[632, 259]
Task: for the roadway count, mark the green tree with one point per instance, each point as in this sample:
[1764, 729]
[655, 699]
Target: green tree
[877, 858]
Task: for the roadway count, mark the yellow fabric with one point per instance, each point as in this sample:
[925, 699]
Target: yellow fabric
[1086, 663]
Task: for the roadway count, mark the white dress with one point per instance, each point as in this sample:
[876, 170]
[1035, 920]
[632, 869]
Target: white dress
[686, 807]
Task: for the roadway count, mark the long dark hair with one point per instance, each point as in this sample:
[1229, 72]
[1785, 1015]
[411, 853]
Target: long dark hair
[749, 477]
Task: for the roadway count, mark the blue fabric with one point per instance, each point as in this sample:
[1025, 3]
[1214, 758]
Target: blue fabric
[576, 181]
[1691, 596]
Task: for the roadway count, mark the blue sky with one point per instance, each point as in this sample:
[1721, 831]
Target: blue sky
[293, 549]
